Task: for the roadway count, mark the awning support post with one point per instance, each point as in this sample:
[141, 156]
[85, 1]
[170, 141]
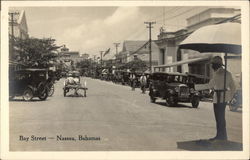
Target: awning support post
[225, 78]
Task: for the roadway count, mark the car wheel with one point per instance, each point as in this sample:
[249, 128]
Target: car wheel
[152, 99]
[43, 95]
[195, 102]
[51, 90]
[27, 94]
[170, 101]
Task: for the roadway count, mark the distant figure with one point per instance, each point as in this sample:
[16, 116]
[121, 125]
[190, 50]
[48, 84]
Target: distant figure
[132, 81]
[217, 84]
[143, 82]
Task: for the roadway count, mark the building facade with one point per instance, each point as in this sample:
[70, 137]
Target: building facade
[170, 54]
[139, 48]
[69, 58]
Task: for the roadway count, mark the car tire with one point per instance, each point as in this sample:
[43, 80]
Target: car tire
[170, 101]
[195, 102]
[43, 96]
[27, 94]
[152, 99]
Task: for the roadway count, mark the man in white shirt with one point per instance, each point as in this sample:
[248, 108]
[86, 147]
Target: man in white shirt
[217, 84]
[143, 82]
[132, 80]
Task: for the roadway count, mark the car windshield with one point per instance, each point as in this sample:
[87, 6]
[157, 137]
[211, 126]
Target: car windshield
[177, 78]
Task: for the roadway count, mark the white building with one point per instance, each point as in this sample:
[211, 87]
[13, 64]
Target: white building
[170, 57]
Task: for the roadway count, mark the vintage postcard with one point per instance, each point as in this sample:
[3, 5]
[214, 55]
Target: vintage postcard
[125, 80]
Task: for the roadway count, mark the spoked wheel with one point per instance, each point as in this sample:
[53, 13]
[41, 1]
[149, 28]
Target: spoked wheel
[195, 102]
[42, 92]
[51, 90]
[27, 94]
[170, 101]
[43, 95]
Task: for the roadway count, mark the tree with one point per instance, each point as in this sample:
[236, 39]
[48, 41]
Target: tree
[35, 52]
[137, 65]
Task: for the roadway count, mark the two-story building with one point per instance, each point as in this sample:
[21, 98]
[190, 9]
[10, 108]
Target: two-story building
[69, 58]
[171, 59]
[139, 48]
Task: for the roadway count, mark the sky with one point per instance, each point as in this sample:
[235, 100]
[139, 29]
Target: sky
[94, 29]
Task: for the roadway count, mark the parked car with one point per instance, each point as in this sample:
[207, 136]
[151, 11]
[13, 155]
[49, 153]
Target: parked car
[174, 88]
[29, 83]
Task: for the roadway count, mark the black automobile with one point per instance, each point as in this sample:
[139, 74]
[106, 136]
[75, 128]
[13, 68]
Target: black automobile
[174, 88]
[29, 83]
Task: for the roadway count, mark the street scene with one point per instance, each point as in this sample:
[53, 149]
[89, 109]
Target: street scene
[124, 120]
[88, 80]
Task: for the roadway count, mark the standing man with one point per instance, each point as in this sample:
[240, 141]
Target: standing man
[132, 80]
[143, 82]
[217, 84]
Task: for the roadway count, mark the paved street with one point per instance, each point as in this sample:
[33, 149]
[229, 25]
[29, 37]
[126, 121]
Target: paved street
[118, 118]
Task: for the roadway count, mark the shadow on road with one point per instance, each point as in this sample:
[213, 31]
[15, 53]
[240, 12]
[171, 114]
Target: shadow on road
[206, 145]
[237, 111]
[177, 106]
[75, 95]
[22, 100]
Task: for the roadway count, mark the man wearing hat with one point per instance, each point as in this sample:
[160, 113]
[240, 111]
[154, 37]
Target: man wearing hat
[217, 84]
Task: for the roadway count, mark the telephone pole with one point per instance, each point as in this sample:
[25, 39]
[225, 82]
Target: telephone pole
[150, 51]
[101, 58]
[12, 22]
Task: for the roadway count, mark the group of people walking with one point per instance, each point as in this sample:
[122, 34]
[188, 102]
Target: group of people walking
[143, 82]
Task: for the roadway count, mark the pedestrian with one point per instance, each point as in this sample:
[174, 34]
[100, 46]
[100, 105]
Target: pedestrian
[219, 104]
[132, 81]
[143, 82]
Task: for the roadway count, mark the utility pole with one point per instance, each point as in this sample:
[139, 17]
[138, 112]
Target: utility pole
[116, 47]
[150, 51]
[101, 58]
[116, 53]
[12, 32]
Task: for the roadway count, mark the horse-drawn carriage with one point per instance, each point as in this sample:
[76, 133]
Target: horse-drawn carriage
[73, 82]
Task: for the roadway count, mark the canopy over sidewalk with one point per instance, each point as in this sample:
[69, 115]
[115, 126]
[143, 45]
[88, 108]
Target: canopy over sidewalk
[183, 62]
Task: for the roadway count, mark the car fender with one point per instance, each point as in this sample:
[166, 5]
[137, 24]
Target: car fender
[31, 87]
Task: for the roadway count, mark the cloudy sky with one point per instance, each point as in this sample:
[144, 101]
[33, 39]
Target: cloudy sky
[94, 29]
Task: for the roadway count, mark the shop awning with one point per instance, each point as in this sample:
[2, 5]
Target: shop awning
[183, 62]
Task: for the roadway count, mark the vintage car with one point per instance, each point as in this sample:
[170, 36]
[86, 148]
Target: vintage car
[75, 85]
[29, 83]
[174, 88]
[200, 79]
